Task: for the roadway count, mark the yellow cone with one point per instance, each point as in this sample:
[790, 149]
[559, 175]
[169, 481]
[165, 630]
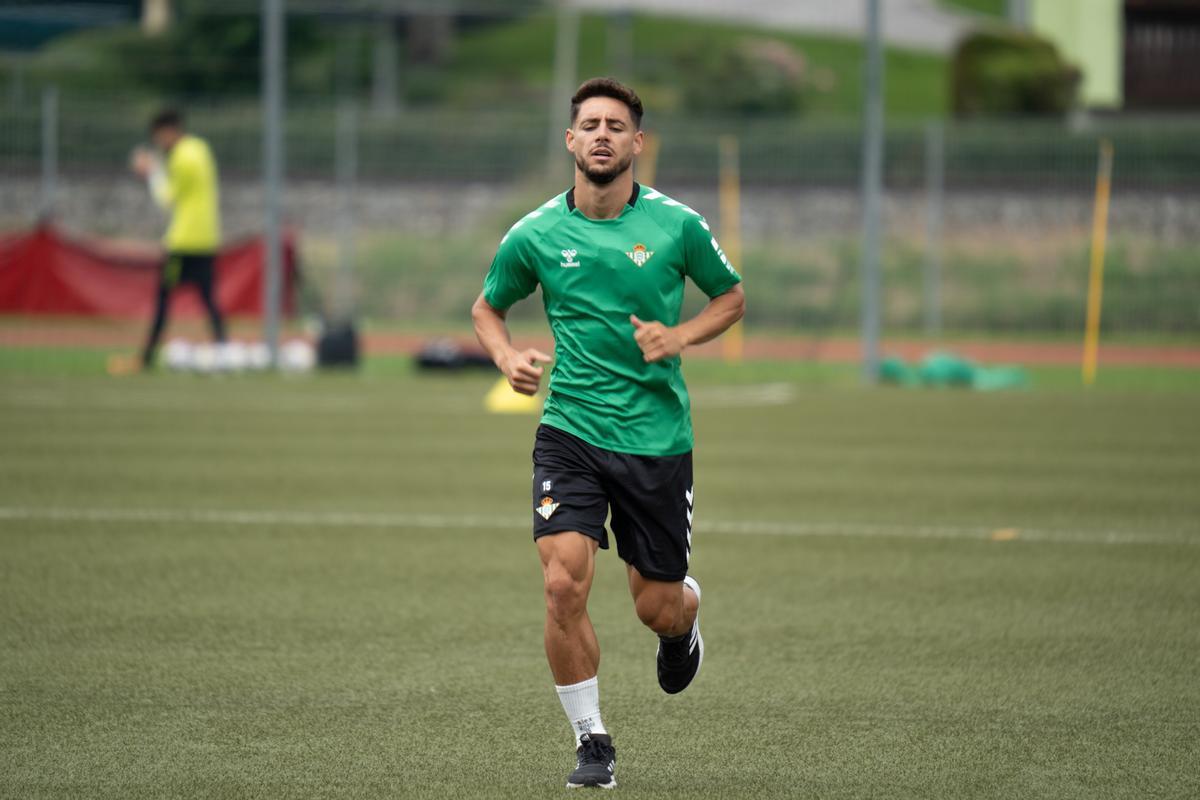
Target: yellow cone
[503, 399]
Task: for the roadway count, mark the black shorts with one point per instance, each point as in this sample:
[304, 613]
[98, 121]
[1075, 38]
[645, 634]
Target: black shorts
[575, 484]
[180, 268]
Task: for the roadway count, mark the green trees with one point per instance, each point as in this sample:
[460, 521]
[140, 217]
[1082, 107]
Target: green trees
[1000, 72]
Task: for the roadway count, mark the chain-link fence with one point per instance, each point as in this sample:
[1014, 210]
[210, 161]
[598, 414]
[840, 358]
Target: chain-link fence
[988, 224]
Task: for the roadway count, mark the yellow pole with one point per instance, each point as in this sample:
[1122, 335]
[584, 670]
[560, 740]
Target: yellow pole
[647, 163]
[1091, 338]
[731, 232]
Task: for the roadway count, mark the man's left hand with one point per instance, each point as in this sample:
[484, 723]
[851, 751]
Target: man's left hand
[142, 161]
[656, 340]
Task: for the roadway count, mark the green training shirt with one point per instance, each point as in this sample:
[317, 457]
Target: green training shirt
[595, 273]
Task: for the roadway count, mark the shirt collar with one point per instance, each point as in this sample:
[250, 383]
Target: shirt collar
[631, 202]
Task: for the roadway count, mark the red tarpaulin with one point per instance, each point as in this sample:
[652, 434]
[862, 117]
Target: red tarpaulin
[45, 271]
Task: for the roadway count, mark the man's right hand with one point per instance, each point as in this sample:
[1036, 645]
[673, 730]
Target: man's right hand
[522, 370]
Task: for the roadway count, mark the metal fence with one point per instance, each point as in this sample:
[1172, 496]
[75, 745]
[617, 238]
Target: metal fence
[495, 145]
[988, 224]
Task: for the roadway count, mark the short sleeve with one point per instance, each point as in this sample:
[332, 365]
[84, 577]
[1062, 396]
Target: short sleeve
[181, 172]
[511, 276]
[707, 265]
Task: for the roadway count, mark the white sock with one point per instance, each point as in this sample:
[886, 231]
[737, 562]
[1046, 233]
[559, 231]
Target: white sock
[581, 701]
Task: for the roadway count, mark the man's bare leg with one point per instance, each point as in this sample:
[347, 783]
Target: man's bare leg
[666, 607]
[568, 564]
[672, 610]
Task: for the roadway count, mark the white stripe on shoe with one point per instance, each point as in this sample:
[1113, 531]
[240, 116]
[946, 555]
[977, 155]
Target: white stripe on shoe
[697, 639]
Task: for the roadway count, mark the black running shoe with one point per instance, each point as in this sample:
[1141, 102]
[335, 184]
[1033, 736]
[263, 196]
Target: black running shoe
[679, 659]
[596, 759]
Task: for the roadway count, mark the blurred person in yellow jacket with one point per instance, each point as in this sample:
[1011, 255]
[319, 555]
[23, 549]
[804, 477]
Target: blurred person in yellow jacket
[186, 185]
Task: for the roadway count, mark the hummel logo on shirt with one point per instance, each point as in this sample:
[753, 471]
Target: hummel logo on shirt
[569, 257]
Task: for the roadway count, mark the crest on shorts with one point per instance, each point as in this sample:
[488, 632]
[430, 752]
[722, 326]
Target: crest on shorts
[547, 507]
[639, 254]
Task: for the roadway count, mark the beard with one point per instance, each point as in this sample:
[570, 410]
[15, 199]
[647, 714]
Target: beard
[602, 176]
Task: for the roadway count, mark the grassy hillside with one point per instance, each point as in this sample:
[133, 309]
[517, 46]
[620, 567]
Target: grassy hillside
[520, 54]
[993, 8]
[505, 63]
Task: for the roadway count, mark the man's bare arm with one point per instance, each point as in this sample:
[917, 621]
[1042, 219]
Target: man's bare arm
[519, 366]
[659, 341]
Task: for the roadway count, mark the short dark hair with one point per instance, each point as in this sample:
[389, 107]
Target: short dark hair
[607, 87]
[167, 118]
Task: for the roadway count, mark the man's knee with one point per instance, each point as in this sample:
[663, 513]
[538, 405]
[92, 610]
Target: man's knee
[566, 594]
[567, 563]
[659, 610]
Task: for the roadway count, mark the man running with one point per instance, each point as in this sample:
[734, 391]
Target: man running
[611, 257]
[188, 187]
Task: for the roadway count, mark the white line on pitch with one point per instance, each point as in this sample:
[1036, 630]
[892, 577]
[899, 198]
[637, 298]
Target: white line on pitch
[763, 394]
[354, 519]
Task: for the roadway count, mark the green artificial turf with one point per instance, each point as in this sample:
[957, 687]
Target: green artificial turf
[324, 587]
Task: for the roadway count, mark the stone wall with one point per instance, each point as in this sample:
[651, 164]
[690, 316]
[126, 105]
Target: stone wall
[120, 206]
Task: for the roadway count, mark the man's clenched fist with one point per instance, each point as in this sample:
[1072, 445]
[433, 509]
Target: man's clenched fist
[656, 340]
[522, 370]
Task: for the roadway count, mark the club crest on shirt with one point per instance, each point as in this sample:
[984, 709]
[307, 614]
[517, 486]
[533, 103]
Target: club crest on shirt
[547, 507]
[639, 254]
